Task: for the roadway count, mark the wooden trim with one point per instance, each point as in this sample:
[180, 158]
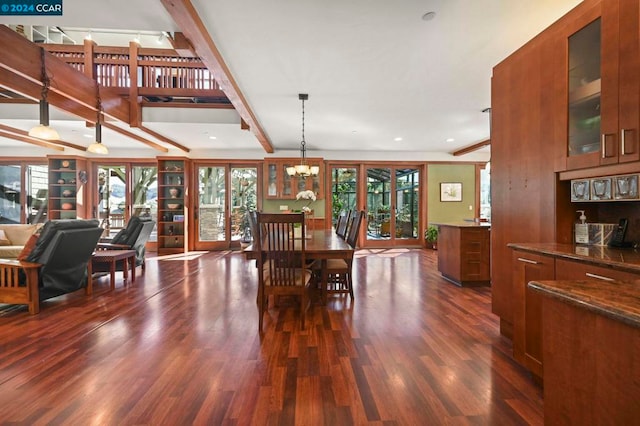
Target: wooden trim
[135, 137]
[164, 138]
[135, 109]
[472, 148]
[175, 104]
[31, 141]
[187, 19]
[24, 133]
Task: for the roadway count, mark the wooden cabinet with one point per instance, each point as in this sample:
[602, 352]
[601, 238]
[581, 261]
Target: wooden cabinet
[463, 256]
[279, 185]
[602, 83]
[527, 322]
[67, 186]
[172, 205]
[592, 365]
[524, 187]
[573, 270]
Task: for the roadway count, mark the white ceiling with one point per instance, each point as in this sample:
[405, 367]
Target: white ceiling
[374, 71]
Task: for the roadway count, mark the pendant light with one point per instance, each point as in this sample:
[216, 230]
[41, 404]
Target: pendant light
[303, 169]
[43, 131]
[98, 147]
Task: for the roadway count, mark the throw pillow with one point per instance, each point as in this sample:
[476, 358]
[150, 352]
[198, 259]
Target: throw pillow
[4, 241]
[28, 247]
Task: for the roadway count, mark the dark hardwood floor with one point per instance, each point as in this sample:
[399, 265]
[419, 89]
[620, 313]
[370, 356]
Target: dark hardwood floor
[181, 346]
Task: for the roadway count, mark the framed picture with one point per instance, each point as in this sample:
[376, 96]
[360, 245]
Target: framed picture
[450, 191]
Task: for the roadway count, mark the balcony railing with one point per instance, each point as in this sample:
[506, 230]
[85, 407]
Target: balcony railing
[161, 74]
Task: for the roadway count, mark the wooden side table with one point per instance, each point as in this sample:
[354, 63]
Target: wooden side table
[128, 257]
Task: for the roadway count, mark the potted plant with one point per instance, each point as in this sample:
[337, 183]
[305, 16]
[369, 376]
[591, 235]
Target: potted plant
[431, 235]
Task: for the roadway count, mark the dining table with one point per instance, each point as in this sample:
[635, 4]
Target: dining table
[320, 245]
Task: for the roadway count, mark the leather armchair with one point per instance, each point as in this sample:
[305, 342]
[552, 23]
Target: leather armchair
[133, 237]
[56, 265]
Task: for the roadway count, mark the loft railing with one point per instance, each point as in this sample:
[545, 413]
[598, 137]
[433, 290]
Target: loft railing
[159, 72]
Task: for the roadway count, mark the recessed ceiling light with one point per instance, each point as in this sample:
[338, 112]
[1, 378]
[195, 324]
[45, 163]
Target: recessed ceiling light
[428, 16]
[87, 135]
[451, 140]
[398, 139]
[212, 137]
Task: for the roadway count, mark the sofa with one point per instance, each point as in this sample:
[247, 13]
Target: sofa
[17, 236]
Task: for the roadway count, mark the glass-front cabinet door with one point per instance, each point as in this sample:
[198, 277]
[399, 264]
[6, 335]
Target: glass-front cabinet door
[584, 90]
[603, 84]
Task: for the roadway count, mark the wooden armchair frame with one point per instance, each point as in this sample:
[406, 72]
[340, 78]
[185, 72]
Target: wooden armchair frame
[10, 289]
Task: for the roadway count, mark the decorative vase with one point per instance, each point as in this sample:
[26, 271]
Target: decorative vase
[61, 181]
[173, 192]
[67, 206]
[67, 193]
[65, 164]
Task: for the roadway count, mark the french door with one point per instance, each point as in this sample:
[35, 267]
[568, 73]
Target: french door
[225, 193]
[125, 190]
[393, 207]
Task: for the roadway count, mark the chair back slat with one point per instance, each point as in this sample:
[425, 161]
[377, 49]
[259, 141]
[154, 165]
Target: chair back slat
[354, 230]
[341, 230]
[281, 252]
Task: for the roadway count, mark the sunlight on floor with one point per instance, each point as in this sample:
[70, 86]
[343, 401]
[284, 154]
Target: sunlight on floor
[182, 256]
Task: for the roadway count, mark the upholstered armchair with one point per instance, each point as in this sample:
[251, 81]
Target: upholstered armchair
[56, 265]
[133, 237]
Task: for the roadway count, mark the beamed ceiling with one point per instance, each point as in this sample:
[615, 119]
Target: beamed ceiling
[383, 83]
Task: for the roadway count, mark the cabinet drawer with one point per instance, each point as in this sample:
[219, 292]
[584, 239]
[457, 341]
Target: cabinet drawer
[572, 270]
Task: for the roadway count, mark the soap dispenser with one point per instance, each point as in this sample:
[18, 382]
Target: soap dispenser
[582, 229]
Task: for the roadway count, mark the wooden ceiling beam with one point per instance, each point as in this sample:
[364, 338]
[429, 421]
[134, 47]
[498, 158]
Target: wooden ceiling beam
[21, 61]
[135, 137]
[472, 148]
[182, 46]
[164, 138]
[32, 141]
[33, 91]
[196, 34]
[25, 134]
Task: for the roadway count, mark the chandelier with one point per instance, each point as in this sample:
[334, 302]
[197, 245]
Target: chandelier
[303, 169]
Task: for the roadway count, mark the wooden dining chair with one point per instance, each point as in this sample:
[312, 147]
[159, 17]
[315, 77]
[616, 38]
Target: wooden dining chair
[341, 230]
[338, 272]
[281, 256]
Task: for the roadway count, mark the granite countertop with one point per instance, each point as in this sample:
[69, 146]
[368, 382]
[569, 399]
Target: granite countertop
[623, 259]
[465, 224]
[618, 300]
